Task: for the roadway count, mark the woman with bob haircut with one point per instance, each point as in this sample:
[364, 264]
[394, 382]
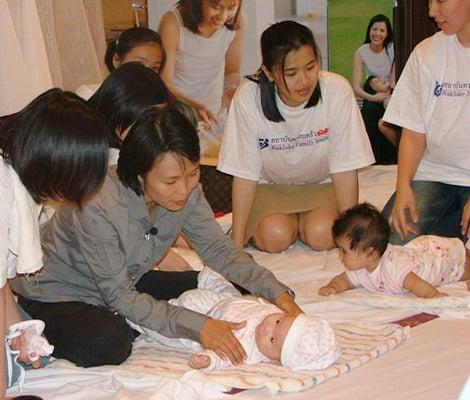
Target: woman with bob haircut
[125, 94]
[56, 148]
[290, 129]
[98, 261]
[203, 40]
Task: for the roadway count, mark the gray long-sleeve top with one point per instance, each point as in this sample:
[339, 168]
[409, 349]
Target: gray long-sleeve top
[98, 254]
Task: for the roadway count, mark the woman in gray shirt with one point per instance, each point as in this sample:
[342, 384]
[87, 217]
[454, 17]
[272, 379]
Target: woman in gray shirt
[98, 261]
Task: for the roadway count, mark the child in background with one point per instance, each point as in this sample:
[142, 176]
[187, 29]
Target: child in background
[140, 45]
[299, 342]
[362, 234]
[376, 84]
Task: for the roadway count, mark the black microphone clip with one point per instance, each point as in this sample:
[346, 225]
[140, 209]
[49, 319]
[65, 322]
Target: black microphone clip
[153, 231]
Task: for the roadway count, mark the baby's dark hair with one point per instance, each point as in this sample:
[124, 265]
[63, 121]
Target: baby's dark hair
[368, 85]
[364, 226]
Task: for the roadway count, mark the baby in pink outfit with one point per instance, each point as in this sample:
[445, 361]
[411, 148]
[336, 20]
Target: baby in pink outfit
[362, 233]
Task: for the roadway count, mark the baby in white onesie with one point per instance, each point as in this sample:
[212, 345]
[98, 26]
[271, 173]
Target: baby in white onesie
[362, 233]
[299, 342]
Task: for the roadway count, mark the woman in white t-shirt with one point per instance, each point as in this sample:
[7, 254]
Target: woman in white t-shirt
[290, 129]
[432, 104]
[55, 148]
[203, 41]
[376, 58]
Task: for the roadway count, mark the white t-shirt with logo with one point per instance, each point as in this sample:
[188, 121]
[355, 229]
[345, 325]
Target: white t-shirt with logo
[307, 147]
[433, 97]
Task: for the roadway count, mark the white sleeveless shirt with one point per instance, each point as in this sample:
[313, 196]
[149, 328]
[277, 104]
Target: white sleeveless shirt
[377, 64]
[200, 64]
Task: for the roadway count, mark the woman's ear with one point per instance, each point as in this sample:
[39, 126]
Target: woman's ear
[116, 60]
[267, 72]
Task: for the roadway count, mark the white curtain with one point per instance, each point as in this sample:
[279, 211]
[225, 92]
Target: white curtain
[24, 71]
[48, 43]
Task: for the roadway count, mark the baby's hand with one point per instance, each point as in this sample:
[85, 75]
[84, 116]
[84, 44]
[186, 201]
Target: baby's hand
[199, 361]
[440, 294]
[327, 290]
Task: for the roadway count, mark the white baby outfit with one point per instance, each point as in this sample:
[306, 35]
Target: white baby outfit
[437, 260]
[310, 343]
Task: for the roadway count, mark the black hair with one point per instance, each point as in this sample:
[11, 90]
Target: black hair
[368, 85]
[125, 94]
[129, 39]
[191, 13]
[380, 18]
[276, 43]
[154, 134]
[364, 226]
[58, 147]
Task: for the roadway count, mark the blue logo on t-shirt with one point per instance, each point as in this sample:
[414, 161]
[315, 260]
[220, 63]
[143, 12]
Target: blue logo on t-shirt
[437, 89]
[263, 143]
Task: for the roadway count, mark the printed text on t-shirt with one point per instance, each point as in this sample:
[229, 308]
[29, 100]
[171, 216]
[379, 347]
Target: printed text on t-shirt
[452, 89]
[285, 142]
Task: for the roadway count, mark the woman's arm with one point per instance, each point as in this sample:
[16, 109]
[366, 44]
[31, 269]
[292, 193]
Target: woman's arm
[243, 194]
[169, 31]
[411, 150]
[358, 72]
[346, 189]
[233, 61]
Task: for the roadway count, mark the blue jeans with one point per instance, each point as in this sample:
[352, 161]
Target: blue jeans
[439, 206]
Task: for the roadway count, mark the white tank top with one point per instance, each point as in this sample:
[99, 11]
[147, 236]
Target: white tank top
[200, 64]
[377, 64]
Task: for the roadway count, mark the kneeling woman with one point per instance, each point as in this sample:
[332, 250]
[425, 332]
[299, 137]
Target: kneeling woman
[289, 129]
[98, 261]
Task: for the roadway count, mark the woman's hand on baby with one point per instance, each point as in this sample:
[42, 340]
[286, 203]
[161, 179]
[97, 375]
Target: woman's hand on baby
[380, 97]
[199, 361]
[217, 335]
[327, 290]
[286, 303]
[19, 343]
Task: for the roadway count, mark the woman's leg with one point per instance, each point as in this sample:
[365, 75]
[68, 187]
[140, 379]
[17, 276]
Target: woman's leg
[166, 285]
[315, 228]
[439, 209]
[84, 334]
[276, 232]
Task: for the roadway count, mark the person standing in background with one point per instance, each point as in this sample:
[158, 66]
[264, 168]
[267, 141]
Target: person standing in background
[203, 40]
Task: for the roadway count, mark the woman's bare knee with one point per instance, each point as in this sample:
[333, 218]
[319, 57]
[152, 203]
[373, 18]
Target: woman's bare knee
[274, 235]
[315, 229]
